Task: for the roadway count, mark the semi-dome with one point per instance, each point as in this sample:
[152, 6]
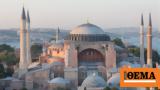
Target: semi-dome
[94, 81]
[87, 29]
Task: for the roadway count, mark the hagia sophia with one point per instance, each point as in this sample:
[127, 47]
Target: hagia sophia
[86, 59]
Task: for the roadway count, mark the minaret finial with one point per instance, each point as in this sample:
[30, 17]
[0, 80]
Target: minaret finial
[150, 20]
[142, 22]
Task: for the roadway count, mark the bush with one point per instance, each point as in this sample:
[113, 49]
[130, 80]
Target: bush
[9, 72]
[107, 88]
[36, 50]
[118, 42]
[7, 48]
[136, 51]
[7, 56]
[24, 88]
[2, 71]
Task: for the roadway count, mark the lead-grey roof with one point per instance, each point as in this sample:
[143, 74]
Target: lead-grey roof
[94, 81]
[87, 29]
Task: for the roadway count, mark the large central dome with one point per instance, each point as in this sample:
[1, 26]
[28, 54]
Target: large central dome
[88, 32]
[87, 29]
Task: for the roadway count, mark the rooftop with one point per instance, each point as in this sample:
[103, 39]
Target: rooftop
[87, 29]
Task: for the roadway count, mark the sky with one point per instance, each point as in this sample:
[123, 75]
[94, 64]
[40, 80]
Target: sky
[67, 14]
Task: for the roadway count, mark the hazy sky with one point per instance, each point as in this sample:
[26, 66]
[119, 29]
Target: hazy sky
[70, 13]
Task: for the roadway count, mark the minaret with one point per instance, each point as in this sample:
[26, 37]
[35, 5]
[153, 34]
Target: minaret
[22, 62]
[44, 48]
[142, 41]
[149, 43]
[28, 51]
[57, 34]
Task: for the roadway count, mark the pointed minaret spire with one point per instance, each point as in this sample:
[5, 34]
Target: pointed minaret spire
[142, 41]
[28, 17]
[23, 14]
[150, 20]
[142, 22]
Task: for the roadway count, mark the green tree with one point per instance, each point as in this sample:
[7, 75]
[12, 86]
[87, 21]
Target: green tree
[36, 50]
[107, 88]
[2, 71]
[61, 88]
[155, 57]
[24, 88]
[7, 56]
[7, 48]
[118, 42]
[114, 88]
[9, 72]
[52, 39]
[136, 51]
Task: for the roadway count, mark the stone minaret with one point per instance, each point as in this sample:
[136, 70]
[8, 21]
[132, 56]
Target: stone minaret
[142, 41]
[28, 50]
[57, 34]
[149, 43]
[22, 63]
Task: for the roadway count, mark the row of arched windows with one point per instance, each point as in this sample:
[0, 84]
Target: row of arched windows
[78, 37]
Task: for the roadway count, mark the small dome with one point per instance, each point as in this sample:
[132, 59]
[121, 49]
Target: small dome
[87, 29]
[94, 81]
[59, 81]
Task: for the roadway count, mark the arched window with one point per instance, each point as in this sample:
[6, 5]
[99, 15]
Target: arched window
[90, 56]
